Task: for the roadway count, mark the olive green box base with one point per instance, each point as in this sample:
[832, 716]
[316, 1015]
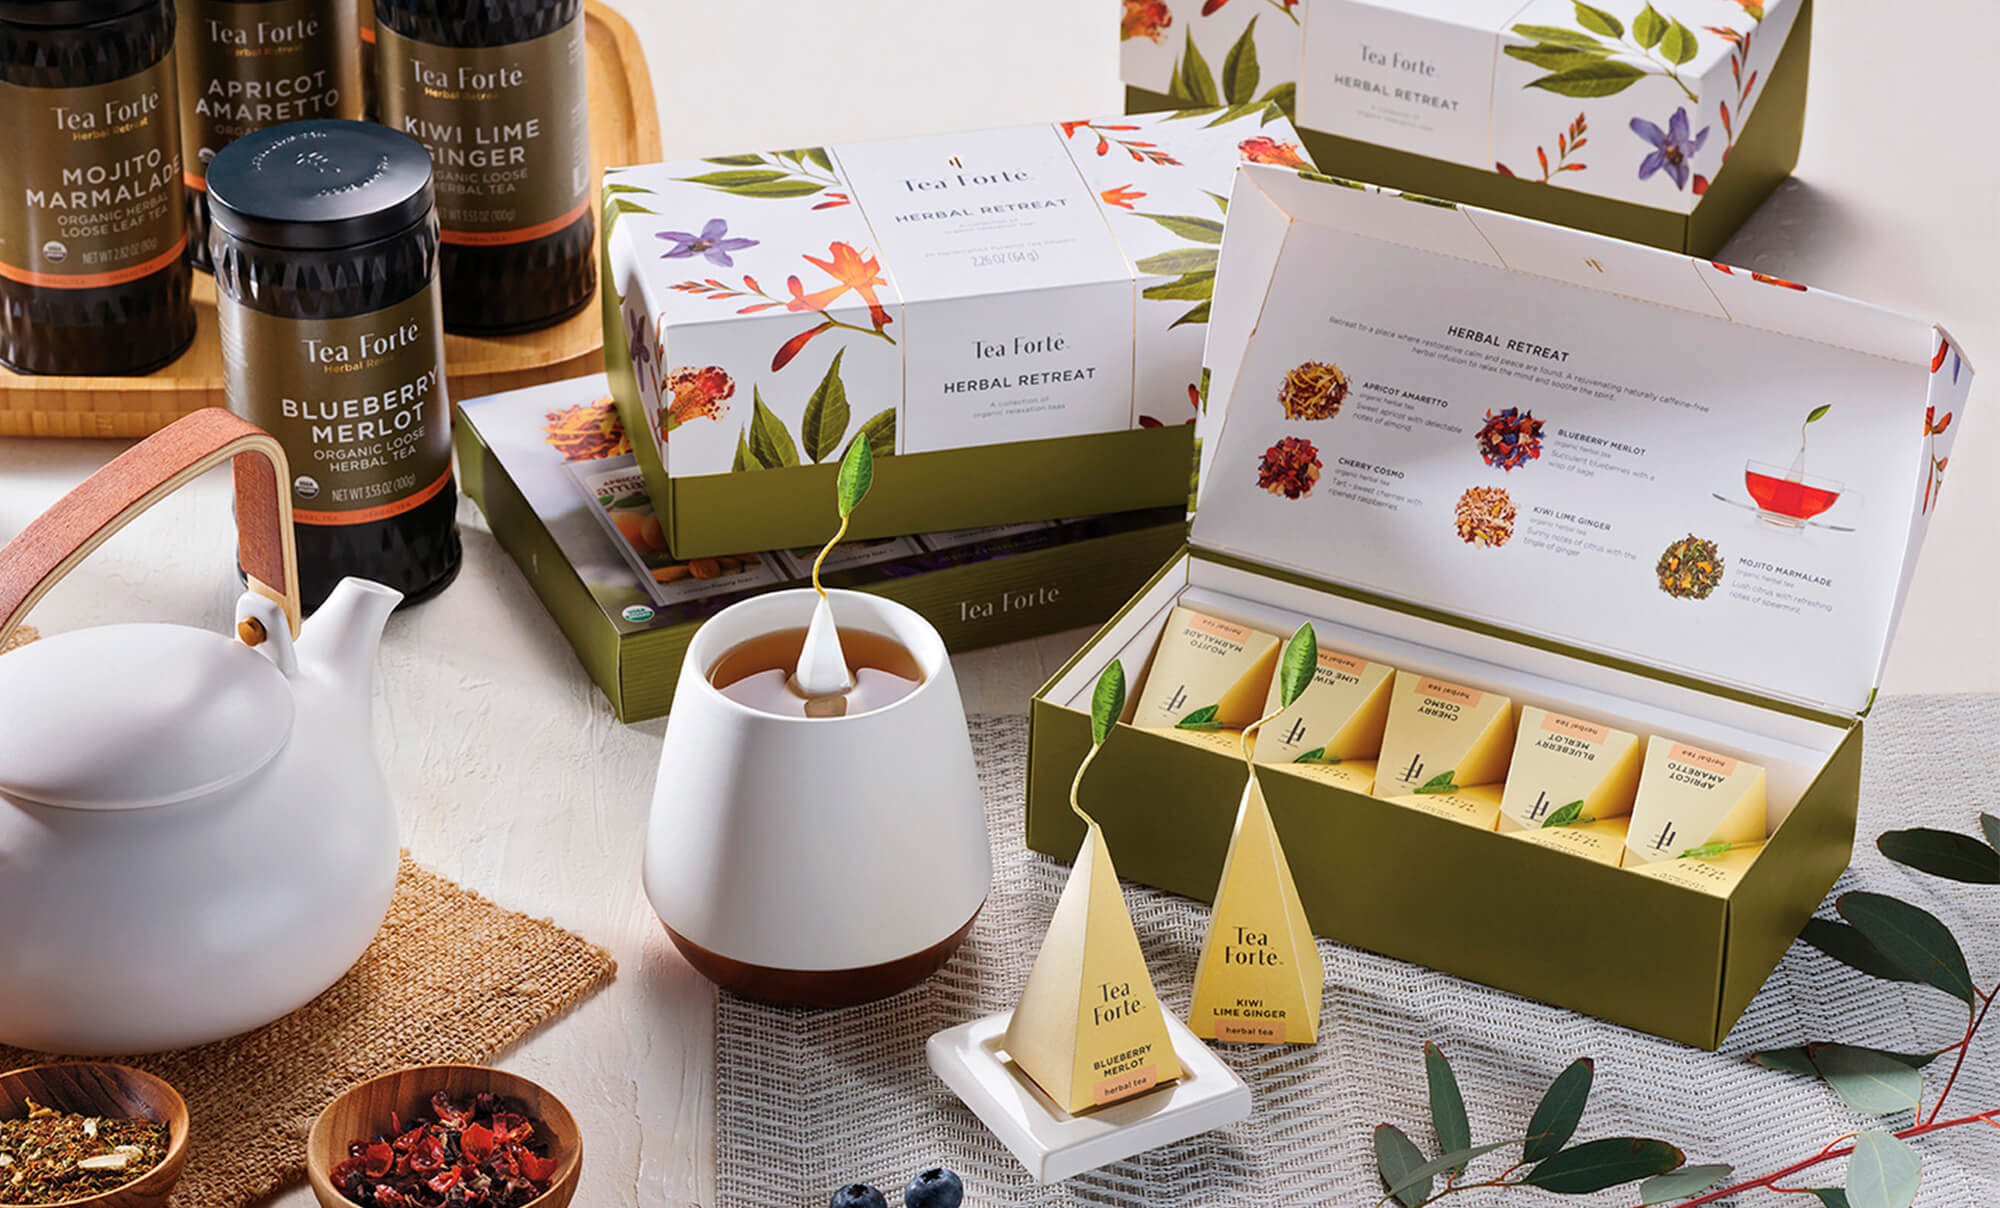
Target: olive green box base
[1539, 922]
[1761, 160]
[979, 603]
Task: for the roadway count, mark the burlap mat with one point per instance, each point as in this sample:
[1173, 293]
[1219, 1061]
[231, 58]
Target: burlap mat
[808, 1101]
[413, 999]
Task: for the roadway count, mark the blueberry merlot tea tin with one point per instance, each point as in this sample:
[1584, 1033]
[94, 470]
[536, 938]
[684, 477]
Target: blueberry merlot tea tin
[325, 245]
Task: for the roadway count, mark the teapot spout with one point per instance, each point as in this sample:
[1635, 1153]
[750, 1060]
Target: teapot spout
[342, 637]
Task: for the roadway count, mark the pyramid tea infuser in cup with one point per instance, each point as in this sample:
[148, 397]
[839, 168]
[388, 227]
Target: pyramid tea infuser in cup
[817, 847]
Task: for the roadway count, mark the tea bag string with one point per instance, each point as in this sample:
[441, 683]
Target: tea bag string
[1077, 784]
[1243, 739]
[824, 550]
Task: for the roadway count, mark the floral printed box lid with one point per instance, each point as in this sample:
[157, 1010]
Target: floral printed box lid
[1635, 100]
[927, 293]
[1473, 412]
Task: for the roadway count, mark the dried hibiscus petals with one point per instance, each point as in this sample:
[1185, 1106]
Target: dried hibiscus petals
[1314, 390]
[1289, 468]
[1510, 438]
[480, 1152]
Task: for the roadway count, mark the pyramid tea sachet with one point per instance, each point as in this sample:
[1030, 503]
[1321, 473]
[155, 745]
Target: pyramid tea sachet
[1445, 748]
[1690, 798]
[1209, 679]
[1333, 731]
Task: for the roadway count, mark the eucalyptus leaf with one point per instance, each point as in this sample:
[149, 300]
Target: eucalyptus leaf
[825, 419]
[1679, 44]
[1792, 1060]
[1201, 230]
[1296, 668]
[1819, 413]
[1448, 1118]
[1603, 78]
[1942, 853]
[1107, 702]
[1598, 21]
[857, 474]
[1561, 1108]
[1239, 68]
[1869, 1081]
[1196, 81]
[1200, 719]
[1596, 1165]
[1830, 1197]
[1682, 1183]
[1568, 815]
[1848, 946]
[770, 443]
[1913, 938]
[731, 180]
[1648, 27]
[1440, 783]
[1189, 287]
[1180, 260]
[1397, 1160]
[880, 433]
[1456, 1160]
[1884, 1172]
[1991, 826]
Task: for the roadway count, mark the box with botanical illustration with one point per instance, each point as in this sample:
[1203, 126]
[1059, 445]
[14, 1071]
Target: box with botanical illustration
[1617, 116]
[553, 471]
[1012, 319]
[1629, 609]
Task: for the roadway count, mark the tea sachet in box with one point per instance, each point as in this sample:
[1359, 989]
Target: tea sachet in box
[1570, 784]
[1333, 731]
[1445, 748]
[1209, 679]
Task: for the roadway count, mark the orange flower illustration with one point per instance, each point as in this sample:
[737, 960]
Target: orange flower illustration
[695, 394]
[586, 431]
[853, 271]
[849, 269]
[1123, 196]
[1146, 19]
[1263, 149]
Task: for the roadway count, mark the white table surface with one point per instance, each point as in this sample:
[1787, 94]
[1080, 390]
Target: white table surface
[512, 775]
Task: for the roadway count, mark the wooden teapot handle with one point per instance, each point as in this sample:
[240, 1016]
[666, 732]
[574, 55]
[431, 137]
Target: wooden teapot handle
[57, 540]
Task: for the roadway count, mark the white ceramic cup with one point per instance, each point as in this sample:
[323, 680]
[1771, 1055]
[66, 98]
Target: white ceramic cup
[817, 861]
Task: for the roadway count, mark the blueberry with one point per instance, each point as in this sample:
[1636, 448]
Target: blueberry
[934, 1188]
[858, 1195]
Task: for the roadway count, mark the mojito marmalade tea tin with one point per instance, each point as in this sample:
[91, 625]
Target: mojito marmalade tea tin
[93, 267]
[325, 246]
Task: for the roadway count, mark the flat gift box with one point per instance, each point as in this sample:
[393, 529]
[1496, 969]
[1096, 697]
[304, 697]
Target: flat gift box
[1614, 117]
[1012, 318]
[551, 469]
[1636, 564]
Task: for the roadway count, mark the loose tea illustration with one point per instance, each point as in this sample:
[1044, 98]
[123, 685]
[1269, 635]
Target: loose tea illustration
[1313, 390]
[1485, 517]
[1289, 468]
[1690, 569]
[1509, 438]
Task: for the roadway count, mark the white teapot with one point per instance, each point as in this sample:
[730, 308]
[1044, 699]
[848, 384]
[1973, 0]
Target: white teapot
[195, 837]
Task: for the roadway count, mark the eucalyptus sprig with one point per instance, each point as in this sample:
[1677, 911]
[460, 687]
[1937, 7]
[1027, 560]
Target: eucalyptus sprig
[1877, 934]
[1107, 705]
[1295, 672]
[857, 474]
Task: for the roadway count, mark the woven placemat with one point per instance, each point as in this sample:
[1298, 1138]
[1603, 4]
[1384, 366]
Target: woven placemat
[412, 999]
[808, 1101]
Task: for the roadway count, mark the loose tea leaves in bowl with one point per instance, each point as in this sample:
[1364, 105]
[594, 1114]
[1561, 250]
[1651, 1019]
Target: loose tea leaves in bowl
[51, 1157]
[482, 1151]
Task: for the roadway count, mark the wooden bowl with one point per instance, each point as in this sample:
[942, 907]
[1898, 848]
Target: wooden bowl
[99, 1088]
[362, 1111]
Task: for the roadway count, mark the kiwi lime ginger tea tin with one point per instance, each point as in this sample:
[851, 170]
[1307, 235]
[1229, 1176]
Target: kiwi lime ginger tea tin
[325, 245]
[93, 241]
[495, 90]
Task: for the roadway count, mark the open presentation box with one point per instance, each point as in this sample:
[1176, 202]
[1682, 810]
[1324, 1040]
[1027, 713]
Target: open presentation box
[1553, 109]
[1439, 317]
[1011, 318]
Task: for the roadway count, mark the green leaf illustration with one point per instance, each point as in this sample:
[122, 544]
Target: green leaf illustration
[770, 443]
[1397, 1160]
[1195, 82]
[819, 156]
[735, 161]
[1180, 260]
[1107, 702]
[1189, 287]
[880, 433]
[1440, 783]
[1557, 35]
[1648, 27]
[1596, 20]
[1602, 78]
[1557, 58]
[777, 188]
[1556, 1118]
[1943, 853]
[825, 421]
[743, 459]
[1819, 413]
[1868, 1080]
[1285, 97]
[615, 190]
[1707, 851]
[1421, 1176]
[1679, 44]
[1596, 1165]
[1883, 1173]
[1568, 815]
[1198, 314]
[1681, 1184]
[617, 208]
[1201, 230]
[1991, 826]
[1448, 1118]
[1200, 719]
[1913, 938]
[1316, 755]
[1848, 946]
[1239, 68]
[1233, 113]
[1295, 669]
[857, 474]
[1221, 202]
[731, 180]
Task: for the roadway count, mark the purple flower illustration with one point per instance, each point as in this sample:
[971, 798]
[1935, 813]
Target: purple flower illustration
[636, 338]
[1672, 148]
[713, 242]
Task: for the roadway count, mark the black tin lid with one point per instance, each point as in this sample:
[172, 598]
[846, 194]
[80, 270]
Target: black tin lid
[319, 184]
[67, 12]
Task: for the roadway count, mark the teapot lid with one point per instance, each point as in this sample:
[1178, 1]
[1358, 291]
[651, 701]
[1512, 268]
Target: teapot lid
[127, 716]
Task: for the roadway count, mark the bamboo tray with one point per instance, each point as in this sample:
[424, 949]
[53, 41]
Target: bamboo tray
[624, 129]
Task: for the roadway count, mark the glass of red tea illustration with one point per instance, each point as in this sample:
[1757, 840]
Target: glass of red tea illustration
[1788, 499]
